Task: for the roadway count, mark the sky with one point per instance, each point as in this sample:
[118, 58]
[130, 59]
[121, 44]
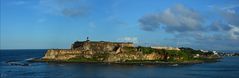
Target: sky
[45, 24]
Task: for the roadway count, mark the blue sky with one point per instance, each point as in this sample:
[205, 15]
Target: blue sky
[41, 24]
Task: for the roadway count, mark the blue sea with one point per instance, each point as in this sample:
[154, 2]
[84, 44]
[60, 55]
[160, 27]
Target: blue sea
[228, 67]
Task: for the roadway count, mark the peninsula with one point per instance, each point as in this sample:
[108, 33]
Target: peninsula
[124, 52]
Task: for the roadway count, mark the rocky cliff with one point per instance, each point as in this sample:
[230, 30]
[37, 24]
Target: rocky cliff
[61, 54]
[122, 54]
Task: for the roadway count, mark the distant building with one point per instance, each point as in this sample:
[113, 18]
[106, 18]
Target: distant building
[166, 48]
[204, 51]
[215, 52]
[196, 56]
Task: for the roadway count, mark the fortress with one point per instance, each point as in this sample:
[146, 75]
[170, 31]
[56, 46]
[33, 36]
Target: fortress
[86, 49]
[100, 45]
[118, 52]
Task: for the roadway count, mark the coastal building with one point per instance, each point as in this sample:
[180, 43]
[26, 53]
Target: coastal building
[166, 48]
[196, 55]
[204, 51]
[215, 52]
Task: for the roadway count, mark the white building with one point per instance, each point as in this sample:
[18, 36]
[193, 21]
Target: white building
[166, 48]
[215, 52]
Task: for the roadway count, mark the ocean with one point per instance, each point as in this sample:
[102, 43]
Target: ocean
[228, 67]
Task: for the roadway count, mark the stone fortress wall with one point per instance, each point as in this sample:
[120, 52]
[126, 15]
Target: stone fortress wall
[100, 45]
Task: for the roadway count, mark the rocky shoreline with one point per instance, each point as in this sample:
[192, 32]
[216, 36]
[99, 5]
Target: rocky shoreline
[129, 63]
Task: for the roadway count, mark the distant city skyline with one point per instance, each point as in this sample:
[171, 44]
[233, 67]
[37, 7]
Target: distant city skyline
[44, 24]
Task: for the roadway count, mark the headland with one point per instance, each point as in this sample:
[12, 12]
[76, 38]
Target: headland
[125, 53]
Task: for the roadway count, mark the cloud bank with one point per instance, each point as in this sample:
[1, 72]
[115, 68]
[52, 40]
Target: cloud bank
[176, 19]
[189, 25]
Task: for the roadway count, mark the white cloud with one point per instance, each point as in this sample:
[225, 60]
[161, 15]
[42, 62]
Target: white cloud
[230, 15]
[230, 7]
[234, 32]
[191, 26]
[177, 19]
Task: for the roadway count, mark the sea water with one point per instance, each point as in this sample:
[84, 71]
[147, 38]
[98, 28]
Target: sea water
[228, 67]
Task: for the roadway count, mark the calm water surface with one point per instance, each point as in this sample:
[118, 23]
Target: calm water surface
[227, 68]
